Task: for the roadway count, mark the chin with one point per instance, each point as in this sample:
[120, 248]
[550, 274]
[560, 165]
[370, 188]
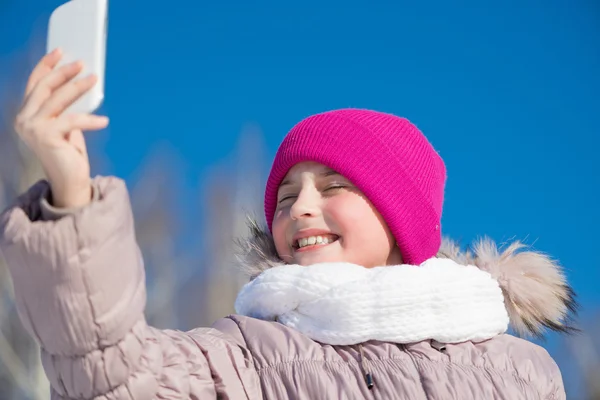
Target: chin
[310, 259]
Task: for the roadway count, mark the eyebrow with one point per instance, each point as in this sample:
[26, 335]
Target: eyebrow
[324, 174]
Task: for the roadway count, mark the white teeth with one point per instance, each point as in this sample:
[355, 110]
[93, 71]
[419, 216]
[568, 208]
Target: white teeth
[312, 240]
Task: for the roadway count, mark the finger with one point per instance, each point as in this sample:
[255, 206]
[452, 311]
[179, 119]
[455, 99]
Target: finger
[44, 89]
[84, 122]
[43, 68]
[62, 98]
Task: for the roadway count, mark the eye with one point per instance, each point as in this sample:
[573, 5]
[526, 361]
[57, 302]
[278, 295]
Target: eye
[335, 187]
[284, 198]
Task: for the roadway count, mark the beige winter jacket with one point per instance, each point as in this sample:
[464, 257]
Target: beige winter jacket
[80, 291]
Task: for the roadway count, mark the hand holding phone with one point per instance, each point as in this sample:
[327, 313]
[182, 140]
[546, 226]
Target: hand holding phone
[57, 138]
[63, 90]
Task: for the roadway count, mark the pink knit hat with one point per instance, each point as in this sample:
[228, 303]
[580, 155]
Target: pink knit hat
[387, 158]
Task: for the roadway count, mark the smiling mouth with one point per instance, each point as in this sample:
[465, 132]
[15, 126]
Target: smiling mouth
[313, 242]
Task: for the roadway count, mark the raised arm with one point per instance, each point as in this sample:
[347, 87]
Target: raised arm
[78, 275]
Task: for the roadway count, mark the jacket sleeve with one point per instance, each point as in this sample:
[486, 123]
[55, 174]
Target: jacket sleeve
[556, 388]
[80, 292]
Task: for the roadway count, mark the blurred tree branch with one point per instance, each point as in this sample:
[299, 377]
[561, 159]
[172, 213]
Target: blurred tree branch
[584, 355]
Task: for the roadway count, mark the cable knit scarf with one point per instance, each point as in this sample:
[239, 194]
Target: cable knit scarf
[343, 304]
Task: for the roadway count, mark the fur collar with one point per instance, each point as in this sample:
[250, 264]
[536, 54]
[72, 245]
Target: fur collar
[536, 293]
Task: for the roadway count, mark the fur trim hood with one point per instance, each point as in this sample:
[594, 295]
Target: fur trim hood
[536, 293]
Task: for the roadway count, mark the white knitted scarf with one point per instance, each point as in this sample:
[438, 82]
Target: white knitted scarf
[342, 304]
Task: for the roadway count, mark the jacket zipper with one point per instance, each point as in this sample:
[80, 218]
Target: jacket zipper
[366, 370]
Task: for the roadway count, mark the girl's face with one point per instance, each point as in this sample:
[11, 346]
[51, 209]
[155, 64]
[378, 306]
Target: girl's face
[322, 217]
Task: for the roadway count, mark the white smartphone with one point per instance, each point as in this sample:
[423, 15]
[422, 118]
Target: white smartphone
[79, 27]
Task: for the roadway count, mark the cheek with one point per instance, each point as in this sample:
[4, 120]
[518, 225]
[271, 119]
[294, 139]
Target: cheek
[348, 213]
[280, 223]
[360, 224]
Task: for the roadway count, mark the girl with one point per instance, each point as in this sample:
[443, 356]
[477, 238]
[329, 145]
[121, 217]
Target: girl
[353, 293]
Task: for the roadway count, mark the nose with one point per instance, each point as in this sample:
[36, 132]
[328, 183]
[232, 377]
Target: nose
[307, 204]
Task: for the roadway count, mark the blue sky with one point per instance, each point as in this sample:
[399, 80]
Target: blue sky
[507, 94]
